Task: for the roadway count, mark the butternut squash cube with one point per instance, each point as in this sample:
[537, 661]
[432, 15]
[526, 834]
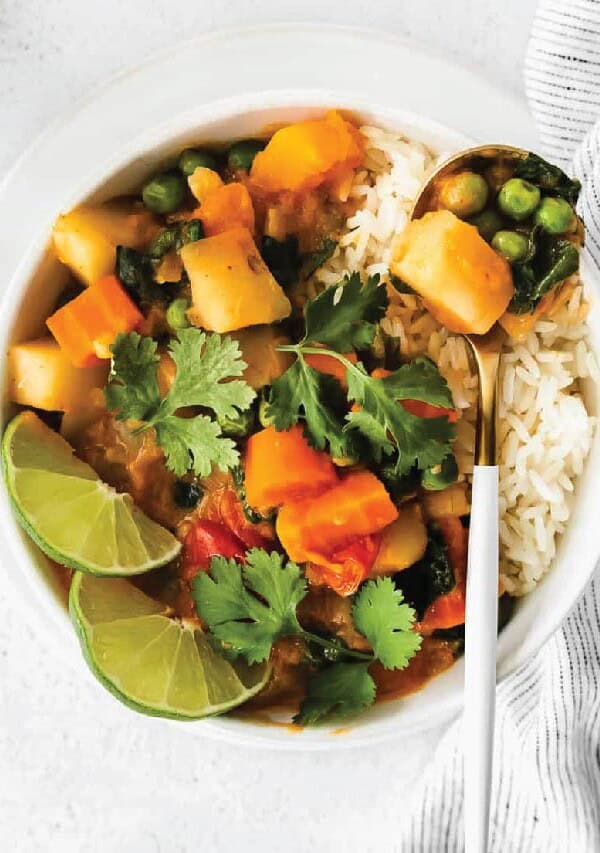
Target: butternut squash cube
[42, 376]
[232, 286]
[403, 542]
[463, 282]
[86, 238]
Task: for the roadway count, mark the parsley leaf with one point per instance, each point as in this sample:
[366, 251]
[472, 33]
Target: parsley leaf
[338, 691]
[388, 427]
[206, 369]
[319, 398]
[344, 318]
[380, 614]
[227, 601]
[133, 384]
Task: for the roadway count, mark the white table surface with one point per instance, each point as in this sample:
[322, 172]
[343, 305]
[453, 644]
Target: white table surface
[77, 771]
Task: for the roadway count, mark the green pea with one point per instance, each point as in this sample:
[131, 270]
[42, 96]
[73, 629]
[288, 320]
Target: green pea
[176, 314]
[193, 158]
[464, 193]
[164, 193]
[241, 154]
[238, 426]
[518, 199]
[511, 245]
[555, 215]
[441, 476]
[263, 418]
[487, 223]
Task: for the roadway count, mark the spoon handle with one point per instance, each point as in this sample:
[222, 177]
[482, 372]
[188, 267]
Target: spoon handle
[481, 628]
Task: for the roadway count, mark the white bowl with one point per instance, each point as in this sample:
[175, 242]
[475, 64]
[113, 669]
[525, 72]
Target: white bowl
[30, 296]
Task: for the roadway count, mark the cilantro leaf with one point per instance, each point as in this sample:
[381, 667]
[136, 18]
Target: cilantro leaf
[380, 614]
[338, 691]
[133, 386]
[227, 601]
[386, 425]
[319, 398]
[206, 369]
[344, 318]
[196, 443]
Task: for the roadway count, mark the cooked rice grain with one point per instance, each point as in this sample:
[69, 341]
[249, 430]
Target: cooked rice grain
[545, 432]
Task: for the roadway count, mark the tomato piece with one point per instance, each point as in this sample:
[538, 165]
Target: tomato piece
[448, 610]
[205, 540]
[232, 515]
[347, 567]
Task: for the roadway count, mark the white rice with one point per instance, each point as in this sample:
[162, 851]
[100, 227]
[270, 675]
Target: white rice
[545, 431]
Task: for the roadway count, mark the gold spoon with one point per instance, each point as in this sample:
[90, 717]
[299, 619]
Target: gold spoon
[481, 622]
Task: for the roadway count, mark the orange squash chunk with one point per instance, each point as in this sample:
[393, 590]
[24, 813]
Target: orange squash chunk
[282, 466]
[306, 154]
[357, 506]
[226, 207]
[463, 282]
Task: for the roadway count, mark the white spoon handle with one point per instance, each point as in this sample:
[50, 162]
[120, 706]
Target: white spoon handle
[481, 630]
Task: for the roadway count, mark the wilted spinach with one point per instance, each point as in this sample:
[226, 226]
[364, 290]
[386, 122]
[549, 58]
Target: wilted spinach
[554, 260]
[430, 577]
[548, 178]
[283, 258]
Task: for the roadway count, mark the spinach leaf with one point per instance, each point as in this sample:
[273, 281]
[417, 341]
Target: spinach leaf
[314, 260]
[548, 177]
[283, 258]
[175, 237]
[553, 261]
[430, 577]
[136, 273]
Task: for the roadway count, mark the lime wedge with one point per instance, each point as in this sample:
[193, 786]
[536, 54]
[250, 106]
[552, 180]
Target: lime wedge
[154, 663]
[73, 516]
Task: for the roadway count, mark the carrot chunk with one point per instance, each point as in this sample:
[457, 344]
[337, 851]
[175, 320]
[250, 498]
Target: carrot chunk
[310, 530]
[86, 327]
[282, 466]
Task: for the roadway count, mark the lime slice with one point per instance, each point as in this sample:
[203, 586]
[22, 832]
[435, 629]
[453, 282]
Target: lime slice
[150, 661]
[74, 517]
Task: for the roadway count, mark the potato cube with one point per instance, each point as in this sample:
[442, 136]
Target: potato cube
[41, 375]
[86, 238]
[403, 542]
[231, 285]
[463, 282]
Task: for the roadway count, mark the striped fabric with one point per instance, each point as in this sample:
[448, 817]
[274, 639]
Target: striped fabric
[546, 790]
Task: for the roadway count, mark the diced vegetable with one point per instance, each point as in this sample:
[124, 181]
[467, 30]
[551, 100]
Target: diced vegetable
[402, 543]
[347, 567]
[229, 206]
[41, 375]
[203, 182]
[259, 350]
[282, 466]
[205, 540]
[231, 285]
[87, 409]
[87, 326]
[306, 154]
[448, 610]
[357, 506]
[462, 280]
[450, 501]
[86, 238]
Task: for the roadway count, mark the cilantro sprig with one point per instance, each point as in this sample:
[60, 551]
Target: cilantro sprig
[206, 369]
[248, 607]
[337, 321]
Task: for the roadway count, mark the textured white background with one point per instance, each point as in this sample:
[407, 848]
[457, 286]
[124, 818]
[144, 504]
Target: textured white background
[77, 771]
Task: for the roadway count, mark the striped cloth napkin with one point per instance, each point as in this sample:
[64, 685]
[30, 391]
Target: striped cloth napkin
[546, 789]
